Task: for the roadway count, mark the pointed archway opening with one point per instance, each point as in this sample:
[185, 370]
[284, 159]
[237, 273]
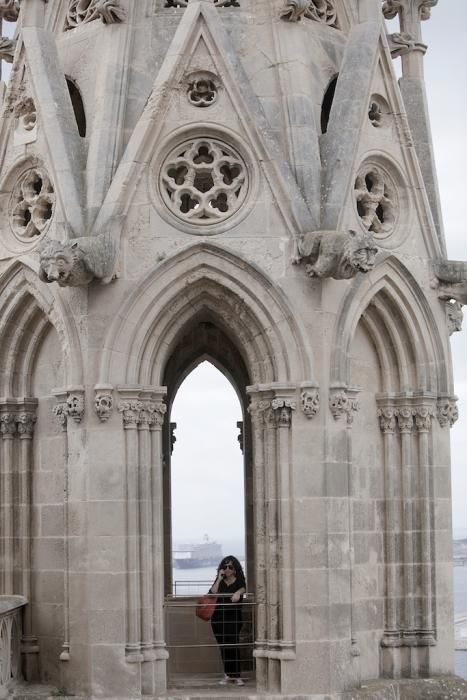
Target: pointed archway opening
[208, 498]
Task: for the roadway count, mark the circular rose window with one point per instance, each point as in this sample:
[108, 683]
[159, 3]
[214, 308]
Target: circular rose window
[32, 205]
[203, 181]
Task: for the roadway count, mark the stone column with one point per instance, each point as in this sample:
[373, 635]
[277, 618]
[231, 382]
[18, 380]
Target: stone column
[8, 431]
[26, 419]
[405, 423]
[283, 408]
[256, 411]
[392, 631]
[145, 529]
[423, 417]
[130, 407]
[158, 411]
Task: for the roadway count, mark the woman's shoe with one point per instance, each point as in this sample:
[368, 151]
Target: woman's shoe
[224, 680]
[238, 681]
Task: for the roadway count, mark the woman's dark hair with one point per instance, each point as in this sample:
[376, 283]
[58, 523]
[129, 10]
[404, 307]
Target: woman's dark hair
[239, 575]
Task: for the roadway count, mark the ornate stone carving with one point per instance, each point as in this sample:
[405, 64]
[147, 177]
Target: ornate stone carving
[405, 419]
[317, 10]
[203, 181]
[423, 415]
[7, 49]
[447, 411]
[202, 88]
[77, 262]
[282, 409]
[158, 411]
[32, 204]
[61, 413]
[310, 402]
[387, 419]
[25, 111]
[130, 411]
[84, 11]
[337, 254]
[8, 425]
[343, 403]
[391, 8]
[451, 280]
[376, 199]
[401, 43]
[75, 405]
[9, 10]
[454, 316]
[26, 421]
[103, 402]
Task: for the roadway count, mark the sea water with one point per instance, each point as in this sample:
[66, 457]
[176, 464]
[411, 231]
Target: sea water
[198, 581]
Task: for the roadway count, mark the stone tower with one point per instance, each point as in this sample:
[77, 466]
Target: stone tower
[247, 181]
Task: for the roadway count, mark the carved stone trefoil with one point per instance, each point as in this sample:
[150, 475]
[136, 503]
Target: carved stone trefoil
[337, 254]
[77, 262]
[343, 403]
[84, 11]
[318, 10]
[310, 402]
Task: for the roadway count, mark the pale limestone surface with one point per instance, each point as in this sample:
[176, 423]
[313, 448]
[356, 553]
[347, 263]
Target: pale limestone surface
[179, 162]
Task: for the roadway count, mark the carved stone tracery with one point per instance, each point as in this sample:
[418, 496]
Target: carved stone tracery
[84, 11]
[323, 11]
[32, 204]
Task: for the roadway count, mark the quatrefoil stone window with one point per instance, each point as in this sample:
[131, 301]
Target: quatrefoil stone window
[32, 205]
[203, 181]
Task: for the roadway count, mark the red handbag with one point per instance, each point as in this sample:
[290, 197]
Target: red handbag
[206, 606]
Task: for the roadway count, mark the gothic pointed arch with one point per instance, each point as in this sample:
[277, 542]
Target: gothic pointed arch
[395, 311]
[210, 282]
[28, 310]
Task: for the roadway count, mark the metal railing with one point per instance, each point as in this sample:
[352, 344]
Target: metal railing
[200, 652]
[10, 641]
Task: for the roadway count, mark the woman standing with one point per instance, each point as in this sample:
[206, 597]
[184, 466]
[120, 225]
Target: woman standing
[226, 622]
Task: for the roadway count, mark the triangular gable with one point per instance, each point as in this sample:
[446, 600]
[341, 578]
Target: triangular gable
[201, 33]
[366, 69]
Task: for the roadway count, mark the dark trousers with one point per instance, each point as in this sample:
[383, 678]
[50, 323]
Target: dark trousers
[226, 628]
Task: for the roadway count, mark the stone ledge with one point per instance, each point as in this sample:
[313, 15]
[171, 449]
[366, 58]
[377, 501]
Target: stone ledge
[445, 687]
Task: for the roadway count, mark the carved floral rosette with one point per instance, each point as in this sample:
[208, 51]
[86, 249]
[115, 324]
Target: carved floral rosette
[343, 403]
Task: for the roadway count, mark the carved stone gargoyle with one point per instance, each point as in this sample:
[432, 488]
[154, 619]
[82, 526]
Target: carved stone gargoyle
[400, 43]
[337, 254]
[450, 280]
[79, 261]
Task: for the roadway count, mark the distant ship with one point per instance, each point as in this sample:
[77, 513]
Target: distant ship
[197, 556]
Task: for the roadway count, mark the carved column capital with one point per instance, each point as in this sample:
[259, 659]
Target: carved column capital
[282, 409]
[447, 411]
[423, 414]
[130, 410]
[392, 8]
[405, 419]
[8, 425]
[343, 403]
[310, 401]
[103, 401]
[387, 419]
[26, 421]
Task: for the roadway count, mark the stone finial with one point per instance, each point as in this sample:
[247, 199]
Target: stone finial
[310, 402]
[337, 254]
[7, 49]
[77, 262]
[9, 10]
[450, 280]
